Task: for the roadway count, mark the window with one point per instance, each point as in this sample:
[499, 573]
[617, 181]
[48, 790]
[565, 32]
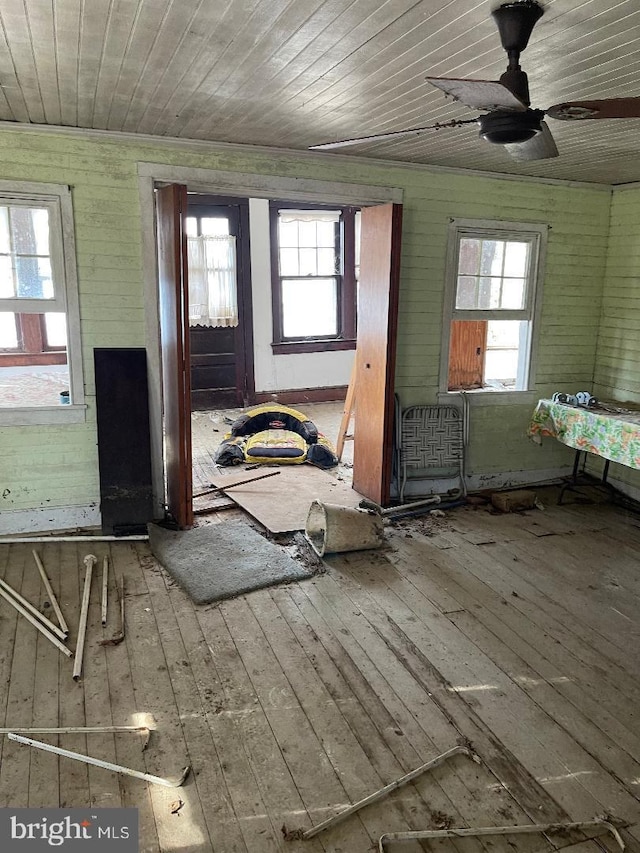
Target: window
[491, 306]
[314, 277]
[40, 367]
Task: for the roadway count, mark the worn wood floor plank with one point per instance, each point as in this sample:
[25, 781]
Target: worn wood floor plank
[167, 754]
[124, 711]
[439, 584]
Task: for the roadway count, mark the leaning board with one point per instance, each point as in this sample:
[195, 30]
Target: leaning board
[281, 503]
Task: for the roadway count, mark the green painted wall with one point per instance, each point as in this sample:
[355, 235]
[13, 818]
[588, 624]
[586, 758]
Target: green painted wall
[47, 466]
[617, 368]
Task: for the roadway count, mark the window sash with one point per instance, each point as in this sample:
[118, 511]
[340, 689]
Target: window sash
[22, 305]
[533, 233]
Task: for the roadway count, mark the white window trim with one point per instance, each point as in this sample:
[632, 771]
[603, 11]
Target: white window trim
[57, 198]
[537, 232]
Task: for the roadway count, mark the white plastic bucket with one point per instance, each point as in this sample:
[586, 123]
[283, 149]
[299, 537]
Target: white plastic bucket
[332, 529]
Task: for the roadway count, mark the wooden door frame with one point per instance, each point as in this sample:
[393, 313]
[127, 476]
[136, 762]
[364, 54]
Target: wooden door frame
[221, 183]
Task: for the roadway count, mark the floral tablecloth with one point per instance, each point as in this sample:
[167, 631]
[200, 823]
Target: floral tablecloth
[614, 436]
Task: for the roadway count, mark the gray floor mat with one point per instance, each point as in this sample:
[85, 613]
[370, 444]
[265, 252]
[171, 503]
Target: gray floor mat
[219, 561]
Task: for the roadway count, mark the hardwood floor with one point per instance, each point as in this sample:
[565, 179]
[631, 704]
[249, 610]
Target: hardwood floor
[518, 633]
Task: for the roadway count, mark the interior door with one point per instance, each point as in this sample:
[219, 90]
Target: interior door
[171, 209]
[381, 228]
[221, 375]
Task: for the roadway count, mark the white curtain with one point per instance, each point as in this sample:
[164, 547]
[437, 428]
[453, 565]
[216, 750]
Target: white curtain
[213, 299]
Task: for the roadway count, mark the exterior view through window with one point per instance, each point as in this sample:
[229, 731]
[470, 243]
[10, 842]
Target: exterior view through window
[33, 325]
[491, 318]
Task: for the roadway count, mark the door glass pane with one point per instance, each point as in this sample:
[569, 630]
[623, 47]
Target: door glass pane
[191, 226]
[309, 308]
[214, 226]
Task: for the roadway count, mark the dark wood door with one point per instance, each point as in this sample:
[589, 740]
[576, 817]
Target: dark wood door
[222, 356]
[171, 207]
[376, 350]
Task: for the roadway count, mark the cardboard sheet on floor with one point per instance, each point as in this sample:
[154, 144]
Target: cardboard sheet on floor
[220, 561]
[282, 503]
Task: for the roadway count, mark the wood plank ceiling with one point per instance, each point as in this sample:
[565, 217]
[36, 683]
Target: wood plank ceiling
[291, 73]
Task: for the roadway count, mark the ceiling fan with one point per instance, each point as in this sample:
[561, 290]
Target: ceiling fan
[509, 119]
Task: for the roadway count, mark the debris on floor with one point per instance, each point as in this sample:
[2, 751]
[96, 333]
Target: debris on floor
[514, 501]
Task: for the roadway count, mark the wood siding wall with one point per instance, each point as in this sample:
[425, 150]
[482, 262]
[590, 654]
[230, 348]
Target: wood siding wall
[617, 367]
[57, 466]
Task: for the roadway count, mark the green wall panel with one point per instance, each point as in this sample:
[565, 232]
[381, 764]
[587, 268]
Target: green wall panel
[103, 175]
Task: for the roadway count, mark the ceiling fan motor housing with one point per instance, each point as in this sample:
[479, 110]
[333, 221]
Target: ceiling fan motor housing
[503, 127]
[515, 22]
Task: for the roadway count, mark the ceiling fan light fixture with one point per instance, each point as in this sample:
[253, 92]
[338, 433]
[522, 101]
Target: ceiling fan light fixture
[505, 128]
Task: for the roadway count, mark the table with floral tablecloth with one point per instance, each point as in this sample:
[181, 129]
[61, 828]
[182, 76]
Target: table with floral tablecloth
[614, 435]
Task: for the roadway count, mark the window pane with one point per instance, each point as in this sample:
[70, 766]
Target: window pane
[288, 234]
[516, 259]
[56, 329]
[7, 290]
[212, 226]
[5, 244]
[485, 286]
[307, 234]
[31, 386]
[503, 355]
[327, 262]
[8, 331]
[34, 278]
[308, 262]
[513, 293]
[30, 230]
[466, 292]
[289, 264]
[309, 308]
[469, 256]
[326, 234]
[491, 259]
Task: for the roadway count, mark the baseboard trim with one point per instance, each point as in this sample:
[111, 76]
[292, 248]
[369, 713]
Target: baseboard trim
[49, 518]
[327, 394]
[478, 482]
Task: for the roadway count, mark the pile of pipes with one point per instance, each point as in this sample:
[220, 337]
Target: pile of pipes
[59, 634]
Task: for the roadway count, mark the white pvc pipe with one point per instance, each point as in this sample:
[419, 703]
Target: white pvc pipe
[97, 762]
[33, 610]
[17, 540]
[89, 561]
[36, 623]
[105, 588]
[51, 594]
[478, 831]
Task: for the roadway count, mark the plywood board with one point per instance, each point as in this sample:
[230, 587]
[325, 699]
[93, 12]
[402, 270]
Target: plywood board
[282, 503]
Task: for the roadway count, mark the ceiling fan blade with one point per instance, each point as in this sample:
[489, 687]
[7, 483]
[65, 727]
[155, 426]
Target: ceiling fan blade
[606, 108]
[479, 94]
[394, 134]
[542, 146]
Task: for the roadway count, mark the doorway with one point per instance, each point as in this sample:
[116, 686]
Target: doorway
[220, 311]
[376, 335]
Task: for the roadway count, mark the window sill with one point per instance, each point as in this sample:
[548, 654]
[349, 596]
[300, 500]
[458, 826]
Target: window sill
[490, 398]
[51, 415]
[312, 346]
